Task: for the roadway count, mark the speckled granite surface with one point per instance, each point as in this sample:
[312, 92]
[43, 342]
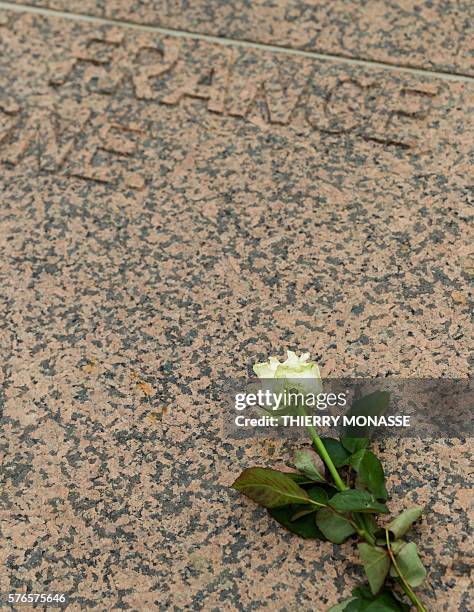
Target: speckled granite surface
[162, 226]
[431, 34]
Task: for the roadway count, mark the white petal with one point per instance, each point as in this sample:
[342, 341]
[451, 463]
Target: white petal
[264, 370]
[274, 363]
[292, 360]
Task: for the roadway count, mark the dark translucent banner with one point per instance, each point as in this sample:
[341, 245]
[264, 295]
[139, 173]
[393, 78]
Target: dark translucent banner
[376, 408]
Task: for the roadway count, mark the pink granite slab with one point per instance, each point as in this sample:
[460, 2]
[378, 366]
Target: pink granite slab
[429, 34]
[171, 212]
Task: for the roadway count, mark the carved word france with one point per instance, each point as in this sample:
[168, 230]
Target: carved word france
[232, 82]
[283, 92]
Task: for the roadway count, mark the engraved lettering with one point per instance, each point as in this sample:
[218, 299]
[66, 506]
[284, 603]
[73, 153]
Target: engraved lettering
[316, 103]
[152, 61]
[283, 93]
[209, 83]
[9, 112]
[243, 95]
[99, 53]
[344, 107]
[57, 138]
[20, 140]
[398, 122]
[116, 141]
[60, 72]
[380, 111]
[280, 94]
[43, 134]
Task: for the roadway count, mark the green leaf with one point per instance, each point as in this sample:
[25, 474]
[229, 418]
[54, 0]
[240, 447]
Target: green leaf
[335, 528]
[363, 590]
[370, 473]
[355, 500]
[305, 526]
[318, 495]
[402, 523]
[336, 451]
[410, 565]
[341, 607]
[376, 564]
[379, 604]
[270, 488]
[357, 605]
[299, 478]
[304, 512]
[369, 523]
[385, 603]
[305, 462]
[355, 444]
[385, 600]
[397, 546]
[374, 404]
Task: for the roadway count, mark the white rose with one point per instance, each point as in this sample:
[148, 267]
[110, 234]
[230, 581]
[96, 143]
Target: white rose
[293, 368]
